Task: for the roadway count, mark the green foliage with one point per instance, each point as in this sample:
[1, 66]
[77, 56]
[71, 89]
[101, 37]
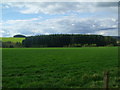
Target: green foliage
[59, 67]
[0, 43]
[68, 40]
[11, 45]
[75, 45]
[89, 45]
[12, 42]
[110, 45]
[19, 36]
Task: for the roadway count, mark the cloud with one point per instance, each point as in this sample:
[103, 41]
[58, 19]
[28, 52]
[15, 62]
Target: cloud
[107, 32]
[61, 1]
[65, 24]
[70, 18]
[107, 4]
[62, 7]
[24, 20]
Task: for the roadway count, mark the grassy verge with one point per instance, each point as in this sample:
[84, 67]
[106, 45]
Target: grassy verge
[11, 39]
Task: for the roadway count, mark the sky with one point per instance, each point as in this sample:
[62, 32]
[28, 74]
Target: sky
[36, 18]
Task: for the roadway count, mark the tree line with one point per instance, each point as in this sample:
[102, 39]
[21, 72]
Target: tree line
[68, 40]
[10, 44]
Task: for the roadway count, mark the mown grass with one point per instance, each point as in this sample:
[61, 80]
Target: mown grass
[59, 67]
[11, 39]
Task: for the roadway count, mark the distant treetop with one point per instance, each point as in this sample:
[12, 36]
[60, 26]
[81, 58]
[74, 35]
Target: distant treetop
[19, 36]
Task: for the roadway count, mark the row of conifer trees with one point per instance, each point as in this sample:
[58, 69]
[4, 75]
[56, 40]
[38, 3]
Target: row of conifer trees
[66, 40]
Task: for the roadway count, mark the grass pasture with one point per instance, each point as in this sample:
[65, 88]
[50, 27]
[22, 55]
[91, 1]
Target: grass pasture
[59, 67]
[11, 39]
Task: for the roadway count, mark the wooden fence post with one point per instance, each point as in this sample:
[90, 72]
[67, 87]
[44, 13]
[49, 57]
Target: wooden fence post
[106, 80]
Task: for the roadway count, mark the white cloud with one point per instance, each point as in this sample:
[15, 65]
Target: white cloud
[107, 32]
[62, 7]
[72, 23]
[65, 24]
[60, 1]
[19, 21]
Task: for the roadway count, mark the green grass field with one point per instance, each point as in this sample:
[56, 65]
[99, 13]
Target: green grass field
[59, 67]
[11, 39]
